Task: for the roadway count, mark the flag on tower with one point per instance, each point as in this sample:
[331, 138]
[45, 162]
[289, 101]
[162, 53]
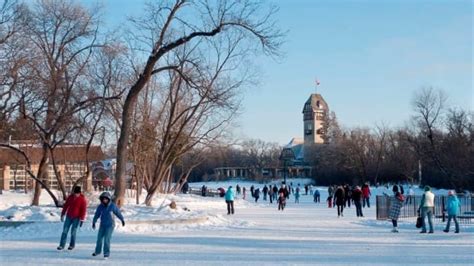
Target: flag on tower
[317, 82]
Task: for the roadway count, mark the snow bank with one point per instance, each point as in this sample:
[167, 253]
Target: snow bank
[192, 212]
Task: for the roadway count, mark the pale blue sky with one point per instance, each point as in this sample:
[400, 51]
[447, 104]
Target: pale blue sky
[370, 56]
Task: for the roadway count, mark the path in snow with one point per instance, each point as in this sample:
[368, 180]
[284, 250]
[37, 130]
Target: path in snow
[303, 234]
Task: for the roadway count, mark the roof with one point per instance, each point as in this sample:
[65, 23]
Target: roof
[62, 154]
[317, 102]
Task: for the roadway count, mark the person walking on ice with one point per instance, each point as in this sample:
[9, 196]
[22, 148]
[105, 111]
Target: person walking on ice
[75, 210]
[366, 195]
[339, 200]
[297, 194]
[229, 199]
[107, 224]
[453, 209]
[357, 199]
[282, 197]
[427, 209]
[316, 196]
[396, 203]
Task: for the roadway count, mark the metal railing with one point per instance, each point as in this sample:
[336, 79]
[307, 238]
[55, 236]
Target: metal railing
[412, 203]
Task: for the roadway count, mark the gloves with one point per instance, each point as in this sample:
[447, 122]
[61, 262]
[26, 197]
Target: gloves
[80, 223]
[93, 226]
[62, 218]
[123, 223]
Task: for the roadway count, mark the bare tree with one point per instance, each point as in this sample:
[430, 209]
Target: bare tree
[429, 106]
[58, 86]
[170, 25]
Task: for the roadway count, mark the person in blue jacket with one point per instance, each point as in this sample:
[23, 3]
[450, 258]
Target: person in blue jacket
[107, 224]
[229, 199]
[453, 207]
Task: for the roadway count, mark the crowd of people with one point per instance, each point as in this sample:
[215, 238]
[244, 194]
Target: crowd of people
[344, 196]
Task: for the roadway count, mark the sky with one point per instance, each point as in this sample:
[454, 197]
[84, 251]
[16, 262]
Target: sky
[370, 57]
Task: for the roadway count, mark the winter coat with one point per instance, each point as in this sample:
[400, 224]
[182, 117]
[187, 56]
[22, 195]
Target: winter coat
[229, 195]
[453, 206]
[366, 192]
[339, 196]
[297, 194]
[284, 191]
[396, 203]
[275, 189]
[348, 192]
[330, 191]
[104, 212]
[428, 199]
[357, 195]
[265, 190]
[75, 207]
[256, 193]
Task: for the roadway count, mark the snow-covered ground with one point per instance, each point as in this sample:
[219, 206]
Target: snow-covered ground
[258, 234]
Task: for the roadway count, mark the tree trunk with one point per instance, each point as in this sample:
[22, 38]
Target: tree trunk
[122, 152]
[42, 175]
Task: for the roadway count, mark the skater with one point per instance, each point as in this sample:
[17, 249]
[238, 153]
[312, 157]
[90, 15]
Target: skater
[453, 209]
[270, 194]
[185, 188]
[339, 200]
[282, 197]
[311, 190]
[252, 191]
[265, 192]
[347, 195]
[244, 192]
[256, 194]
[411, 195]
[306, 188]
[297, 194]
[329, 201]
[330, 191]
[203, 190]
[427, 209]
[366, 195]
[237, 189]
[107, 224]
[331, 195]
[357, 198]
[275, 192]
[75, 210]
[396, 203]
[316, 196]
[229, 200]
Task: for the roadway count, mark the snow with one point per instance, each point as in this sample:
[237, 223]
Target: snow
[258, 234]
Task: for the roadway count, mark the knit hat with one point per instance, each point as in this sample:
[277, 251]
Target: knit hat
[451, 192]
[427, 188]
[106, 195]
[77, 189]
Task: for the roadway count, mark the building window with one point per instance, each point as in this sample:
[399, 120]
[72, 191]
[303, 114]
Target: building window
[309, 129]
[18, 178]
[320, 115]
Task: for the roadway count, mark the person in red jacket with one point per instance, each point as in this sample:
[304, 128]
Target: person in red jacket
[75, 210]
[366, 195]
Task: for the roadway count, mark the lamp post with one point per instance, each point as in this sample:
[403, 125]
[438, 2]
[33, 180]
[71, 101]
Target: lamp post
[286, 157]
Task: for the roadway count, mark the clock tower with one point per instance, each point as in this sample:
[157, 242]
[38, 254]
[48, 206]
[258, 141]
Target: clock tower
[315, 111]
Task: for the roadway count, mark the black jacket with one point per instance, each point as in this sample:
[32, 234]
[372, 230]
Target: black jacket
[339, 196]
